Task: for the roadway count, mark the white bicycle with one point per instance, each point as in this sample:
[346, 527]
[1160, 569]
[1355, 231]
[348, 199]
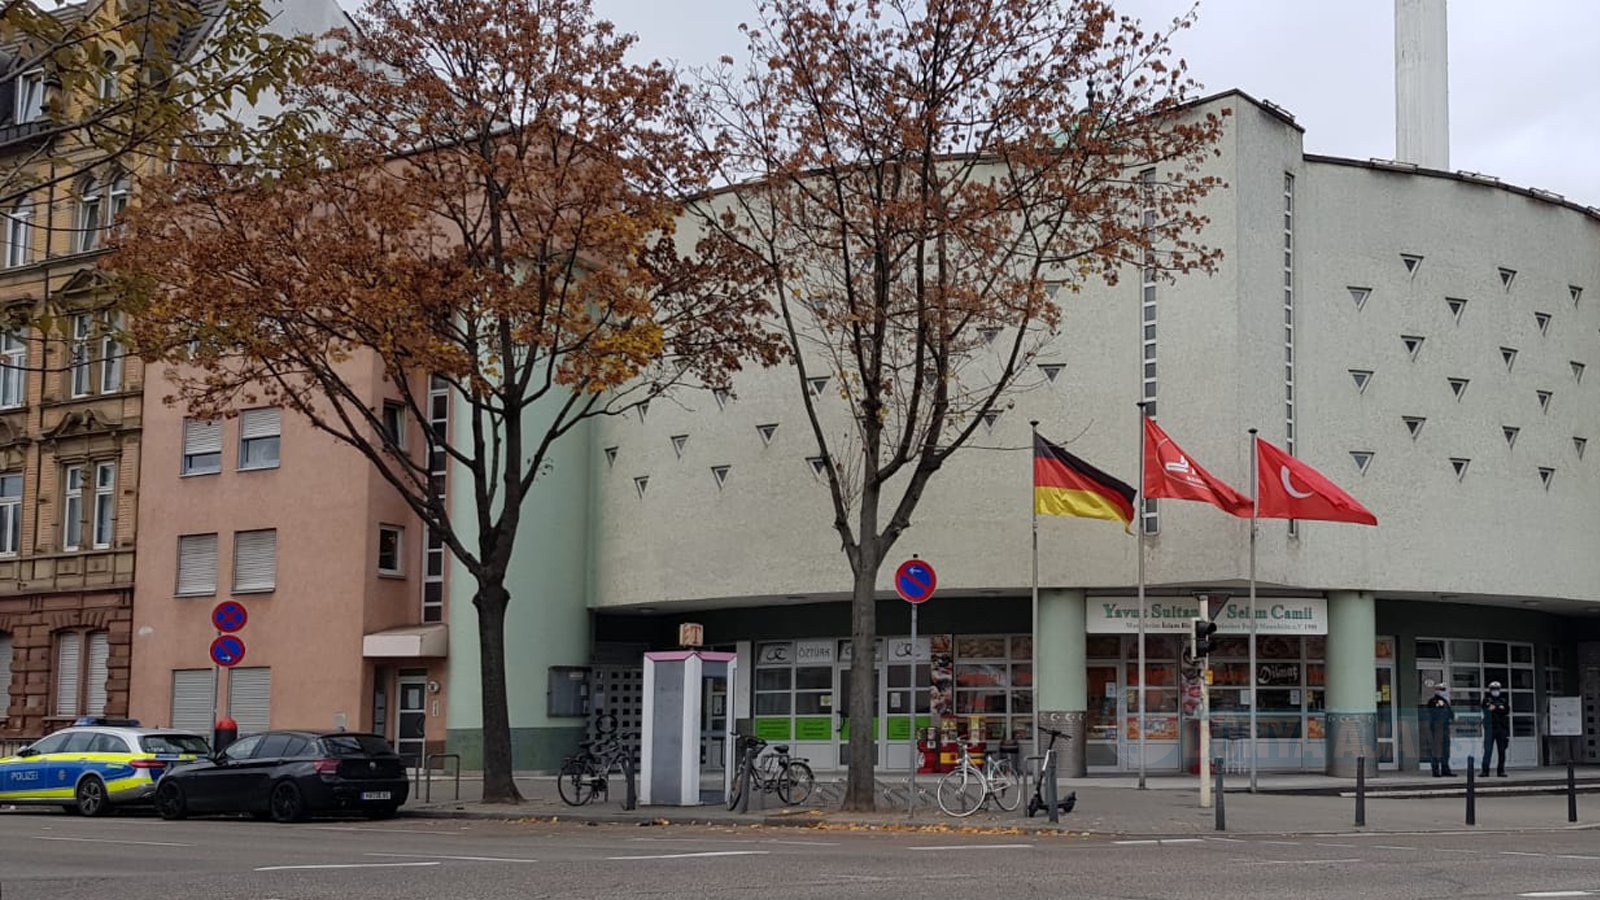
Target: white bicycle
[967, 788]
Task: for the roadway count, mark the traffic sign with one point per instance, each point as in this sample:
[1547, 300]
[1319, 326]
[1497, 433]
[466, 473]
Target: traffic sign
[227, 651]
[229, 616]
[915, 580]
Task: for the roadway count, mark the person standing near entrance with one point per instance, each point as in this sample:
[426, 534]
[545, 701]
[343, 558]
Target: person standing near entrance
[1496, 728]
[1438, 714]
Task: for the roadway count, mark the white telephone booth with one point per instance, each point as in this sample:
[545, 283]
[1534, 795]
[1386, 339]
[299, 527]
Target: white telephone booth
[674, 754]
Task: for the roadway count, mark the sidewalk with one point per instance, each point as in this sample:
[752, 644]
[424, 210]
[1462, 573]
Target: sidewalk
[1284, 804]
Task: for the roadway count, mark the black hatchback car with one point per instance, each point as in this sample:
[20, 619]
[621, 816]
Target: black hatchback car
[289, 775]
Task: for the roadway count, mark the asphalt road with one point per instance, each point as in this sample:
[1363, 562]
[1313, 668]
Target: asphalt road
[51, 856]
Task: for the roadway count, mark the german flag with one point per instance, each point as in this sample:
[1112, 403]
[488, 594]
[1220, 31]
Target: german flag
[1064, 485]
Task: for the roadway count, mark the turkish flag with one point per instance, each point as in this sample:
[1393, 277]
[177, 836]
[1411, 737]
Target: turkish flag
[1169, 473]
[1289, 489]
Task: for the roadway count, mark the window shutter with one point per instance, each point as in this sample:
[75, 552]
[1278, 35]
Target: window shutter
[5, 673]
[255, 560]
[259, 423]
[197, 564]
[192, 697]
[68, 650]
[202, 437]
[250, 698]
[98, 672]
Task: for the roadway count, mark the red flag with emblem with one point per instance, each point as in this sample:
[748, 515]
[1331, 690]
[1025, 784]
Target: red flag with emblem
[1287, 488]
[1170, 473]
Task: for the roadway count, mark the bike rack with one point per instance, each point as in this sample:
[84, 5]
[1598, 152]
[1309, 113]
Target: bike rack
[427, 771]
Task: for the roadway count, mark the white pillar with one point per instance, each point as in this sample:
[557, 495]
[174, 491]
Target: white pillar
[1421, 83]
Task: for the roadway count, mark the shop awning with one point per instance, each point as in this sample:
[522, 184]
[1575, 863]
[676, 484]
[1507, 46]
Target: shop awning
[408, 642]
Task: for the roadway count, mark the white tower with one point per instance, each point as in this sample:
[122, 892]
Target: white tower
[1421, 83]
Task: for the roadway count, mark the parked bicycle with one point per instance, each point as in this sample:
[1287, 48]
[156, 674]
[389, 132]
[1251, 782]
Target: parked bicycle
[776, 772]
[1047, 769]
[968, 787]
[590, 772]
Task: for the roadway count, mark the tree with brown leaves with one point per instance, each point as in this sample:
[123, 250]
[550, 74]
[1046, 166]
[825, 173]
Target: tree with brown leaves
[486, 198]
[921, 177]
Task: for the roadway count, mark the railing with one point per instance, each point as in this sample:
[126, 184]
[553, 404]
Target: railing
[10, 745]
[425, 774]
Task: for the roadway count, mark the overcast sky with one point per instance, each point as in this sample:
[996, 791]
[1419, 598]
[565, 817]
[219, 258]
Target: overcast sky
[1524, 96]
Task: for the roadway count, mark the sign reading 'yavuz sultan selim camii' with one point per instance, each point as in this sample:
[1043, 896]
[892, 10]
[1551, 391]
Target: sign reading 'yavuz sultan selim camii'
[1274, 615]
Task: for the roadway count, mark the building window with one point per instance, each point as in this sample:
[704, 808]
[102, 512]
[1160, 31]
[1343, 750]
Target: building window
[19, 235]
[82, 325]
[13, 369]
[391, 540]
[30, 96]
[394, 424]
[202, 447]
[259, 437]
[82, 662]
[109, 88]
[72, 509]
[255, 561]
[438, 466]
[197, 564]
[105, 504]
[1288, 323]
[1149, 517]
[91, 215]
[111, 354]
[1469, 666]
[10, 513]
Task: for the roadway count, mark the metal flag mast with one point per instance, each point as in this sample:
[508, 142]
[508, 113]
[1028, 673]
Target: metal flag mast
[1138, 511]
[1255, 490]
[1033, 643]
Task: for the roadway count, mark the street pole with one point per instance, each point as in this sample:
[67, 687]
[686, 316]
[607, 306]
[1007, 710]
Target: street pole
[1255, 496]
[911, 793]
[1205, 732]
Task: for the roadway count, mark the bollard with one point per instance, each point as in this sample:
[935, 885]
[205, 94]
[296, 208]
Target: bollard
[1472, 793]
[631, 799]
[1222, 816]
[746, 775]
[1050, 791]
[1572, 794]
[1361, 792]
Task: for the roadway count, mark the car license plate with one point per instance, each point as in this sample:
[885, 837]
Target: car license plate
[374, 795]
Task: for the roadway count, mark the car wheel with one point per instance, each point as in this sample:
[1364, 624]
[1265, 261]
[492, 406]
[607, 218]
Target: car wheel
[383, 812]
[287, 803]
[91, 797]
[170, 802]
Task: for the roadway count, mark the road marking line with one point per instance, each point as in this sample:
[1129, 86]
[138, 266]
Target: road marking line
[1282, 843]
[381, 830]
[397, 865]
[695, 840]
[1298, 862]
[697, 855]
[1557, 894]
[1165, 841]
[509, 859]
[1132, 843]
[110, 841]
[976, 847]
[1519, 853]
[803, 843]
[1332, 845]
[1227, 840]
[1390, 847]
[1573, 856]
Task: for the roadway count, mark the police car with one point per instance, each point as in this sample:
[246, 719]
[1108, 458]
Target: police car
[96, 764]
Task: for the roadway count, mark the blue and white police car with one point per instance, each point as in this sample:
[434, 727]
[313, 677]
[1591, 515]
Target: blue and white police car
[96, 764]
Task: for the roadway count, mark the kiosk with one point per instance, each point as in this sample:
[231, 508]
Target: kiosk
[673, 750]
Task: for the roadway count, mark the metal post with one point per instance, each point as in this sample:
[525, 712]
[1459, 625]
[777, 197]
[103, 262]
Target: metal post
[1472, 793]
[1138, 516]
[1222, 815]
[1255, 492]
[1205, 733]
[911, 792]
[1361, 792]
[631, 799]
[1572, 792]
[745, 772]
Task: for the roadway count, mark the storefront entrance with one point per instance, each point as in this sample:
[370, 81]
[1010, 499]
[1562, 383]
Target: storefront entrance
[1470, 666]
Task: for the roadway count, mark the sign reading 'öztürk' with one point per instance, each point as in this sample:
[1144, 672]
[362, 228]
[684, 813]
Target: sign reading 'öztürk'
[1275, 615]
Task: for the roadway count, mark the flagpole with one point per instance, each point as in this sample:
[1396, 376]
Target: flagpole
[1139, 524]
[1255, 491]
[1033, 645]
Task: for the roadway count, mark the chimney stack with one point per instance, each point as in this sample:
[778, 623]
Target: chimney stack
[1421, 83]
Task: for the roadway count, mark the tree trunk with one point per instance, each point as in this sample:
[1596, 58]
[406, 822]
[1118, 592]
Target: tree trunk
[498, 784]
[861, 788]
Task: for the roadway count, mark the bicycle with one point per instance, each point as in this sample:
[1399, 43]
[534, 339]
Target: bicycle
[776, 772]
[588, 773]
[967, 788]
[1047, 768]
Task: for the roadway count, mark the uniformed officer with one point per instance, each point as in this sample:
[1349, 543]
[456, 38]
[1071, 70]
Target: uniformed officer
[1496, 727]
[1436, 727]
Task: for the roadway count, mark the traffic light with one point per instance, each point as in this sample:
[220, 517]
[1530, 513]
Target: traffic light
[1200, 639]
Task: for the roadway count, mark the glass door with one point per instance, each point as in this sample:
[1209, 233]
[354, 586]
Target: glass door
[1104, 746]
[1387, 757]
[412, 721]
